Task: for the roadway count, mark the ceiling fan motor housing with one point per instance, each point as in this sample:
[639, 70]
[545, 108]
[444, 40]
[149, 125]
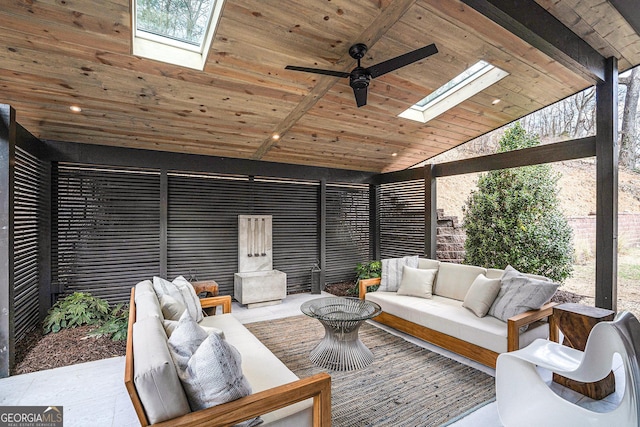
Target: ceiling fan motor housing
[359, 78]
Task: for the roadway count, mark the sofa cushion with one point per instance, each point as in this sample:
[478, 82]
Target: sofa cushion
[454, 280]
[447, 316]
[146, 300]
[428, 264]
[392, 272]
[171, 308]
[481, 294]
[520, 293]
[156, 380]
[494, 273]
[416, 282]
[262, 368]
[181, 290]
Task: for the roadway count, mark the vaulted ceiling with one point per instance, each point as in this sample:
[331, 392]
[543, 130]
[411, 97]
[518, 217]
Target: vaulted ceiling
[57, 53]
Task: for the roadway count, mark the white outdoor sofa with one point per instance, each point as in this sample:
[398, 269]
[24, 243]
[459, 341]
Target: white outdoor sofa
[279, 397]
[443, 321]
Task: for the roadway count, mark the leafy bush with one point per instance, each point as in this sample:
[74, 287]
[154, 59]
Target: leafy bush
[116, 326]
[367, 270]
[80, 309]
[514, 217]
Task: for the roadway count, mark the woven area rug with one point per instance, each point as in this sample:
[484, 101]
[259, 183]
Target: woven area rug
[406, 385]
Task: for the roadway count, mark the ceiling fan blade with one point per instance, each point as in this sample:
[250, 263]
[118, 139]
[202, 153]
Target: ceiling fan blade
[318, 71]
[401, 61]
[361, 96]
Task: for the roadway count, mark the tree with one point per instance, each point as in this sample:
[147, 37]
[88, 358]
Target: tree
[514, 217]
[629, 129]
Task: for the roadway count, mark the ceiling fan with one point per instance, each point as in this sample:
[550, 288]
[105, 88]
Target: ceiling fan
[360, 77]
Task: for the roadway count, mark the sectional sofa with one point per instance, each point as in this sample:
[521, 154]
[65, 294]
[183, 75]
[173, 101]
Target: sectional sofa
[441, 318]
[152, 380]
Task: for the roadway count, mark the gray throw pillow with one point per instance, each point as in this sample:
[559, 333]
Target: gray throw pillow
[519, 293]
[391, 275]
[209, 368]
[181, 290]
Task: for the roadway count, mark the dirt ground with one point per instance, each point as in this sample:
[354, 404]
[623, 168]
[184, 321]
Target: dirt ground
[37, 352]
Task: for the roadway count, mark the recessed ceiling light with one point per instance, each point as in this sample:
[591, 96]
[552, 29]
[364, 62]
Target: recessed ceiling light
[394, 154]
[275, 137]
[495, 101]
[75, 108]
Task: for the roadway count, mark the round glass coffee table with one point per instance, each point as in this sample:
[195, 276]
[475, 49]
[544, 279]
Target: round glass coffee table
[341, 348]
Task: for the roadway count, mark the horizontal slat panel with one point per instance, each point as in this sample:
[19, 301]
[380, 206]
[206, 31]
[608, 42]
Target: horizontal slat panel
[29, 219]
[402, 219]
[106, 230]
[347, 231]
[203, 227]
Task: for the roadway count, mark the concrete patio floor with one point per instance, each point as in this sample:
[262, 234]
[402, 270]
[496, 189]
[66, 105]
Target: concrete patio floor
[93, 393]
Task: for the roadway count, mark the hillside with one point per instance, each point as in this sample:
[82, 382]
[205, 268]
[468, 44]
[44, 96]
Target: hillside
[577, 189]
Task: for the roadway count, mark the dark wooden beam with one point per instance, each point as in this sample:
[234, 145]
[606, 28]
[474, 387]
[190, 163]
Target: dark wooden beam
[374, 221]
[400, 176]
[131, 157]
[548, 153]
[7, 305]
[164, 222]
[607, 188]
[322, 230]
[430, 213]
[630, 10]
[533, 24]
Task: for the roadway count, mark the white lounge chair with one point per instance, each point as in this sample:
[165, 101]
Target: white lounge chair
[525, 399]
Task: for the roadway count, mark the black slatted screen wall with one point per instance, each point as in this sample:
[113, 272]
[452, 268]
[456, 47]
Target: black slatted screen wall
[30, 219]
[106, 228]
[347, 230]
[202, 228]
[401, 213]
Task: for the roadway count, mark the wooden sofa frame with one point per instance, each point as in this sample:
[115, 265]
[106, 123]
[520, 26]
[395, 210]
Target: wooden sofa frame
[456, 345]
[316, 386]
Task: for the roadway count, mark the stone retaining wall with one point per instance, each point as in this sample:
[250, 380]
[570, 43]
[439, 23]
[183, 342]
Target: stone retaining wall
[450, 238]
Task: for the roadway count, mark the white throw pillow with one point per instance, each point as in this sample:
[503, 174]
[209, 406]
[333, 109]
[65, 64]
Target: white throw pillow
[519, 293]
[181, 290]
[481, 295]
[191, 300]
[171, 308]
[417, 282]
[391, 275]
[171, 325]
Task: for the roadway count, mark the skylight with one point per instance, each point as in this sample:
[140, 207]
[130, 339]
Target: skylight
[178, 32]
[462, 87]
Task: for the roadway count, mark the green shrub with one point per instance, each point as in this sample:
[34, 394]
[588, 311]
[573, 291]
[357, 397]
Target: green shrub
[369, 270]
[80, 309]
[116, 326]
[366, 270]
[75, 310]
[514, 218]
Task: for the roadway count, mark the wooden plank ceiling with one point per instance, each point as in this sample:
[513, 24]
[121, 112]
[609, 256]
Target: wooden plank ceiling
[59, 53]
